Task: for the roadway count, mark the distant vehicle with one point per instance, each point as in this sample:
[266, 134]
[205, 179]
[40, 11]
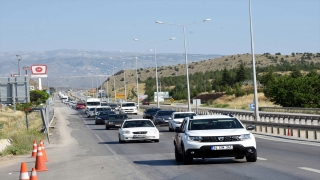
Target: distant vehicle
[90, 111]
[177, 118]
[145, 102]
[128, 108]
[80, 105]
[101, 108]
[214, 136]
[115, 120]
[64, 98]
[149, 113]
[162, 117]
[114, 107]
[92, 103]
[138, 129]
[102, 116]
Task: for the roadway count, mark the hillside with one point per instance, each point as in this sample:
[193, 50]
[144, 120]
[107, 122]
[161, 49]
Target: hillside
[232, 61]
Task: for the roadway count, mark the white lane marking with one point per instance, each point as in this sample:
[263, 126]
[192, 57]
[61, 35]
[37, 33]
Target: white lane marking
[310, 169]
[287, 140]
[262, 159]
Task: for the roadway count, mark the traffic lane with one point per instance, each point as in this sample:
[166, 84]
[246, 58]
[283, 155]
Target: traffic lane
[158, 158]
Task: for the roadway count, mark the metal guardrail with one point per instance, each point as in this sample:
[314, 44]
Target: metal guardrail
[305, 126]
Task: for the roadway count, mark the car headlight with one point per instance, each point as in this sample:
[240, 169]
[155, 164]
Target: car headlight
[153, 131]
[177, 122]
[169, 118]
[125, 132]
[195, 138]
[244, 137]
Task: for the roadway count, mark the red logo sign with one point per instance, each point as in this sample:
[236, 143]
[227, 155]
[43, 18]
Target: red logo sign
[39, 69]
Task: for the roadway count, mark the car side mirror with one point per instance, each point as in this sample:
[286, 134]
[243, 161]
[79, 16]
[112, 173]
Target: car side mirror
[251, 127]
[178, 130]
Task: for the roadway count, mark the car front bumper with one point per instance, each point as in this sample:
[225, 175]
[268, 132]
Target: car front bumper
[130, 137]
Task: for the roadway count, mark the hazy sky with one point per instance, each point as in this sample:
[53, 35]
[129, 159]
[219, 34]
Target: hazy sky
[283, 26]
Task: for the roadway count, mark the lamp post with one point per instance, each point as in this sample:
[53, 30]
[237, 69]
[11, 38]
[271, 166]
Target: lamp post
[185, 50]
[137, 82]
[256, 109]
[19, 59]
[124, 82]
[114, 85]
[107, 96]
[155, 60]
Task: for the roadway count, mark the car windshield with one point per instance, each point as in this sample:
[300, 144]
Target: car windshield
[176, 116]
[107, 112]
[138, 123]
[91, 109]
[164, 113]
[113, 105]
[93, 103]
[207, 124]
[118, 116]
[128, 104]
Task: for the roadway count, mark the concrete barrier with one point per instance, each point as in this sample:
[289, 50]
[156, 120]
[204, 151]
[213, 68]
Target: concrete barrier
[4, 143]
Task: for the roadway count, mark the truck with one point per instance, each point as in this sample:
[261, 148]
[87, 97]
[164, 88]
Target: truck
[92, 103]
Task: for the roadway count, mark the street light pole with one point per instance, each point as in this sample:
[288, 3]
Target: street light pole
[124, 82]
[19, 59]
[185, 50]
[137, 81]
[256, 109]
[107, 86]
[155, 60]
[114, 85]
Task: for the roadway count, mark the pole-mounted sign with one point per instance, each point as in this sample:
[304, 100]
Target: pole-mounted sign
[39, 70]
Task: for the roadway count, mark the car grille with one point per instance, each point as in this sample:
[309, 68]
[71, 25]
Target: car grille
[220, 138]
[140, 132]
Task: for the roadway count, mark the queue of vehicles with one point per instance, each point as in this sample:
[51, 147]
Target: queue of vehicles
[196, 136]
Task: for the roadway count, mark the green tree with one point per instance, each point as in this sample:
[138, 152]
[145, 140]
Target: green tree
[241, 73]
[296, 72]
[38, 96]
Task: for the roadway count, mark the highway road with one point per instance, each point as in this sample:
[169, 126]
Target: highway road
[81, 150]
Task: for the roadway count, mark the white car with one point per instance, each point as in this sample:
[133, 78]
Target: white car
[90, 112]
[214, 136]
[138, 129]
[128, 108]
[177, 118]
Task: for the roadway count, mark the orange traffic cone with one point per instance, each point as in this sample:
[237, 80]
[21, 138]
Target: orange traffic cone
[40, 165]
[44, 152]
[24, 175]
[34, 150]
[34, 175]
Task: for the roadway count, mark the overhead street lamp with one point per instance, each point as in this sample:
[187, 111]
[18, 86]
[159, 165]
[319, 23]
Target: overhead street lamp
[19, 59]
[137, 82]
[114, 85]
[155, 60]
[256, 109]
[185, 50]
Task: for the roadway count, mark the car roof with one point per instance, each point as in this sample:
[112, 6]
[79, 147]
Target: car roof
[188, 112]
[211, 117]
[138, 120]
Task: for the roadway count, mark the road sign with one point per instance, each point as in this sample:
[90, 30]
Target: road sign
[15, 75]
[252, 106]
[171, 100]
[121, 96]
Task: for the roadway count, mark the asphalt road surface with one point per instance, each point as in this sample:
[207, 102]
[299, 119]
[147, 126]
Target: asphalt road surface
[81, 150]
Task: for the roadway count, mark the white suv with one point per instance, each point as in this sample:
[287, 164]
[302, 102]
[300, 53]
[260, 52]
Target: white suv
[214, 136]
[128, 108]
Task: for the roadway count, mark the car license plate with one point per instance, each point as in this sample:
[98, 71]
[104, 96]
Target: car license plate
[230, 147]
[139, 136]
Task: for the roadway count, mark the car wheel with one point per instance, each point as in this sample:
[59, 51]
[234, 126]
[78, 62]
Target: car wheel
[157, 140]
[120, 141]
[177, 155]
[169, 128]
[185, 158]
[95, 123]
[107, 128]
[239, 157]
[252, 157]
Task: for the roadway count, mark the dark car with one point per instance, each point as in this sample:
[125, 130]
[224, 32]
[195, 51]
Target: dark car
[102, 116]
[145, 102]
[149, 113]
[162, 117]
[115, 120]
[113, 106]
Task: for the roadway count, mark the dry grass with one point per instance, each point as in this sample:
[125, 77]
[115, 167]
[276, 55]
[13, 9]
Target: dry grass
[13, 127]
[242, 102]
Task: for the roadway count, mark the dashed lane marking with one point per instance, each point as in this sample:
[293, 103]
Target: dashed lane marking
[310, 169]
[261, 159]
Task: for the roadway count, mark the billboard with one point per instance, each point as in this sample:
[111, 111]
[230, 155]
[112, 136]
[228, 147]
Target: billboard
[162, 96]
[39, 70]
[14, 90]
